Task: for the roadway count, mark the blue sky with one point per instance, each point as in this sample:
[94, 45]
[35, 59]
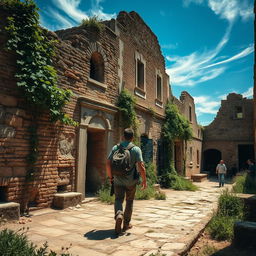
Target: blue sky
[207, 44]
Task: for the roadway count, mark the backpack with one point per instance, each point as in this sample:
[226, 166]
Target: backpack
[121, 160]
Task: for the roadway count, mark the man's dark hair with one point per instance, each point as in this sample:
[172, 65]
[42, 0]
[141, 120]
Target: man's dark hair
[128, 134]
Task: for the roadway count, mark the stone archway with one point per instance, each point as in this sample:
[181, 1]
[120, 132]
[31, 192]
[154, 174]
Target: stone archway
[95, 141]
[211, 159]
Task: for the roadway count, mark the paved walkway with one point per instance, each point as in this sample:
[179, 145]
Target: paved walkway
[166, 226]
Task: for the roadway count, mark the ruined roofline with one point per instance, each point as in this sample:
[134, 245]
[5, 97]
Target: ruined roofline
[135, 17]
[184, 94]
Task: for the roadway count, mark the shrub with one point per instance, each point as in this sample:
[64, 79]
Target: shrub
[145, 194]
[245, 184]
[174, 181]
[17, 244]
[230, 209]
[93, 23]
[221, 228]
[104, 194]
[151, 173]
[230, 205]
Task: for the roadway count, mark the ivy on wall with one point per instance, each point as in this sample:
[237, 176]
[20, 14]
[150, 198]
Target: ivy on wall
[35, 74]
[176, 126]
[126, 104]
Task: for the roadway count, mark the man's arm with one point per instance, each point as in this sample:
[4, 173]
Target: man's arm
[108, 169]
[142, 170]
[217, 168]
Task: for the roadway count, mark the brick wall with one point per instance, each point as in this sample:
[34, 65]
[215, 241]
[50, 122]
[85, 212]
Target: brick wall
[58, 144]
[227, 131]
[186, 107]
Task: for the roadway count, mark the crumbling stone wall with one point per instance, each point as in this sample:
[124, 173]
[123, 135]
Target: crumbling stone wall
[227, 131]
[138, 41]
[58, 144]
[186, 107]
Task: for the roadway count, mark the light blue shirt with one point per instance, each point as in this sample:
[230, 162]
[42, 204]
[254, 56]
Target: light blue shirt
[136, 156]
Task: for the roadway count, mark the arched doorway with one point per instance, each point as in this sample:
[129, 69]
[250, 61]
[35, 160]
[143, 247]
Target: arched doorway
[211, 159]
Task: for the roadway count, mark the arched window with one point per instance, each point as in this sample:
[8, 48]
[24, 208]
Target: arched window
[97, 67]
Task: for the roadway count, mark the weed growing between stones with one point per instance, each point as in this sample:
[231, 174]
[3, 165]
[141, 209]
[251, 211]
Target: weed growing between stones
[230, 209]
[16, 243]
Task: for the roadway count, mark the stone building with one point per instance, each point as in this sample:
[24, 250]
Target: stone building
[192, 152]
[86, 63]
[142, 72]
[96, 66]
[230, 135]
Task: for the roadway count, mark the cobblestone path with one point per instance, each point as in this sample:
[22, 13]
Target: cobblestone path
[168, 227]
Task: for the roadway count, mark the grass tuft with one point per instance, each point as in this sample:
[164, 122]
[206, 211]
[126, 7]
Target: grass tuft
[245, 184]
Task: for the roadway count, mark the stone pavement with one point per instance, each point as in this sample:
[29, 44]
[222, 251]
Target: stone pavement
[168, 226]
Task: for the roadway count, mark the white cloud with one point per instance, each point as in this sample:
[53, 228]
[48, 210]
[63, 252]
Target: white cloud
[204, 105]
[197, 67]
[240, 55]
[227, 9]
[69, 13]
[97, 10]
[248, 93]
[70, 8]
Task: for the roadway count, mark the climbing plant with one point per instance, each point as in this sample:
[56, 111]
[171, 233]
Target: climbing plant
[126, 104]
[35, 74]
[175, 126]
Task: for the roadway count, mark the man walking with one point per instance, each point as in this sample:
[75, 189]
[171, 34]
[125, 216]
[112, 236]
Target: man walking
[125, 177]
[221, 170]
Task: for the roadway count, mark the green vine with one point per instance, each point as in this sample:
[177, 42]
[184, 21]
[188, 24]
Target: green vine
[176, 126]
[35, 74]
[126, 104]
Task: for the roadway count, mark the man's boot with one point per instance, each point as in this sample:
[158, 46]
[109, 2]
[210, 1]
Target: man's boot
[119, 219]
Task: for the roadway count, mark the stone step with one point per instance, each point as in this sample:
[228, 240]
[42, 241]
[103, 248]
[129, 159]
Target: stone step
[244, 234]
[67, 199]
[199, 177]
[10, 210]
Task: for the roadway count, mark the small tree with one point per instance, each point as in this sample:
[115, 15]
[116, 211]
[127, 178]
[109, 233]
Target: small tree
[175, 127]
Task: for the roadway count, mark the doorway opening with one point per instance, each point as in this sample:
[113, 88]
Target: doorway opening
[245, 152]
[211, 158]
[96, 160]
[178, 157]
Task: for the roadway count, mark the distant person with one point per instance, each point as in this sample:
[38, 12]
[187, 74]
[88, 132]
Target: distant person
[251, 168]
[125, 177]
[221, 170]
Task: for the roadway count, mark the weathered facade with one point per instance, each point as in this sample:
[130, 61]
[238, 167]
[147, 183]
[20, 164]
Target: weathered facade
[230, 135]
[190, 153]
[64, 163]
[143, 74]
[96, 66]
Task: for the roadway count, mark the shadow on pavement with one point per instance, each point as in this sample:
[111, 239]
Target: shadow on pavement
[233, 251]
[101, 234]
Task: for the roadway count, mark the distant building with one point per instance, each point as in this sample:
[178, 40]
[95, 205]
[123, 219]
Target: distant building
[230, 135]
[193, 151]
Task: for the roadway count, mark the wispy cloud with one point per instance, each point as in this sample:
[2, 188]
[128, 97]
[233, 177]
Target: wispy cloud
[205, 105]
[199, 67]
[68, 13]
[227, 9]
[71, 9]
[97, 10]
[248, 93]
